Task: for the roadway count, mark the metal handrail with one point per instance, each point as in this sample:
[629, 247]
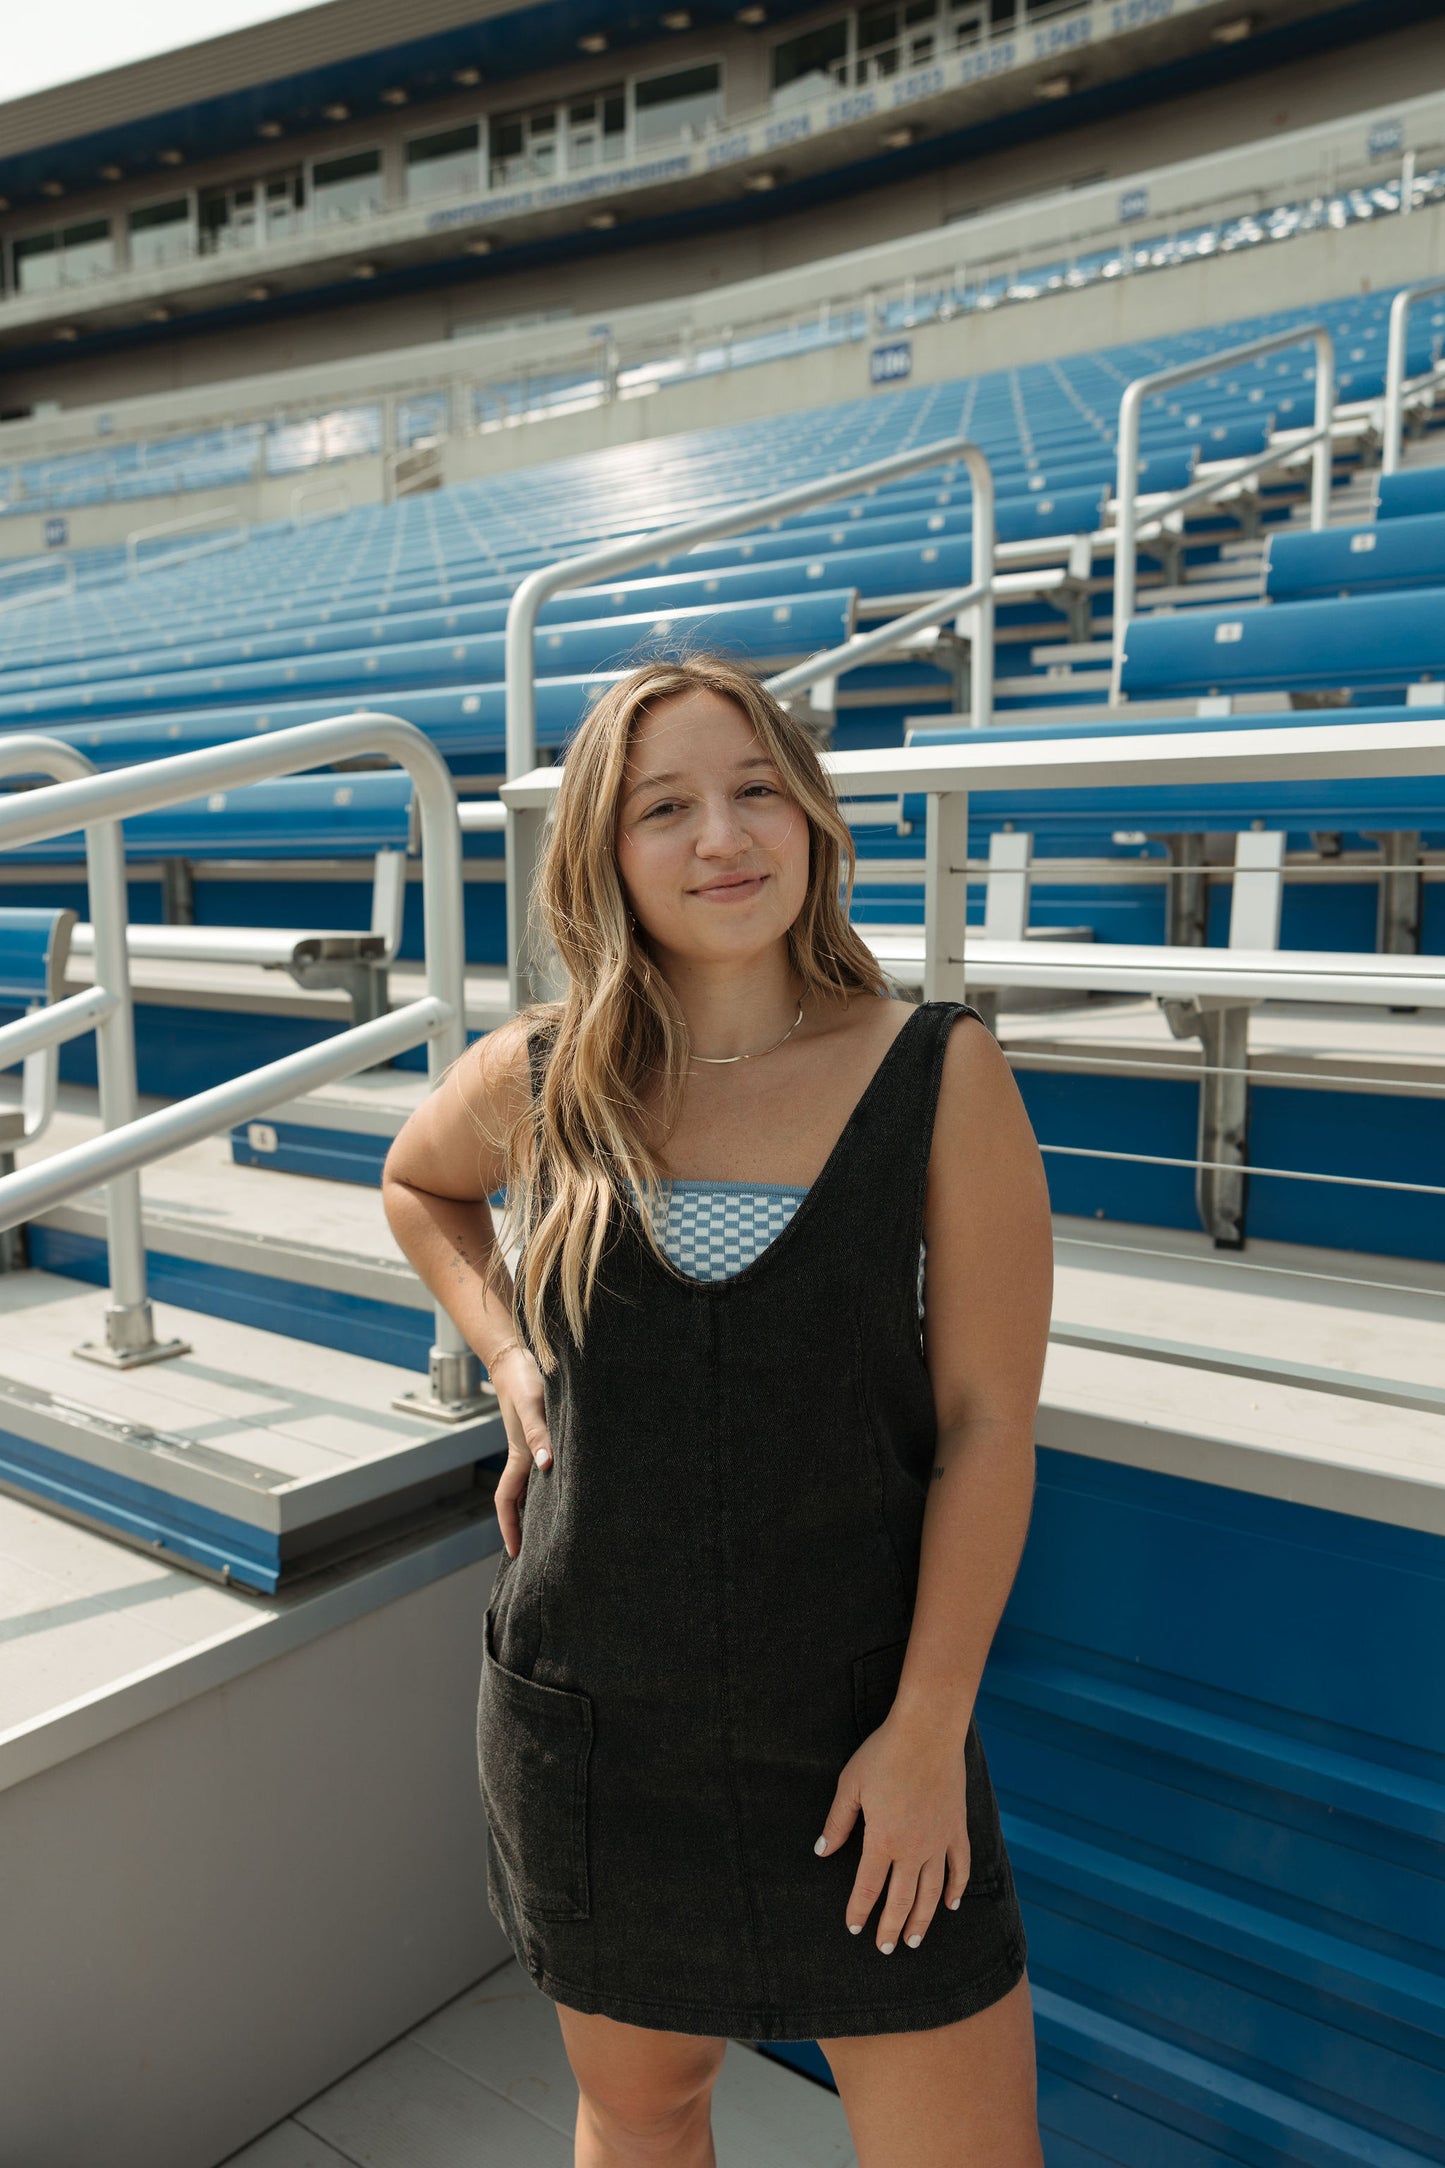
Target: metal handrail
[106, 1010]
[1126, 494]
[97, 802]
[946, 773]
[225, 539]
[1400, 309]
[46, 594]
[310, 494]
[598, 564]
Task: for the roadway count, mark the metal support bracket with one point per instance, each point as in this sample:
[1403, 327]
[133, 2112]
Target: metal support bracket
[1186, 903]
[1220, 1182]
[455, 1389]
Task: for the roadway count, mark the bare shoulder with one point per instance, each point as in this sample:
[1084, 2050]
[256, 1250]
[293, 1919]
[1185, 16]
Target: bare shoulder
[452, 1143]
[982, 1132]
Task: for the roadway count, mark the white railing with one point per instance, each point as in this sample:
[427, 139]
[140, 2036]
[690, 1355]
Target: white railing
[226, 538]
[97, 803]
[1127, 507]
[666, 543]
[47, 591]
[945, 774]
[312, 502]
[1395, 385]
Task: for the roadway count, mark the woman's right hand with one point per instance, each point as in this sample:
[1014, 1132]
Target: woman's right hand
[518, 1385]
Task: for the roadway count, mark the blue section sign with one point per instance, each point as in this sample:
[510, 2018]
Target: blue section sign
[1386, 138]
[892, 363]
[1134, 203]
[57, 533]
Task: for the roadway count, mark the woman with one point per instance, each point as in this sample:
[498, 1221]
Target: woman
[772, 1513]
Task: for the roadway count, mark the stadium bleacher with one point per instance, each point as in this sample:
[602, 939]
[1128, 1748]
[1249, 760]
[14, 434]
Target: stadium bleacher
[1208, 989]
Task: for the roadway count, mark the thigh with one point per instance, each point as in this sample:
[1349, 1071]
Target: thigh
[634, 2072]
[954, 2096]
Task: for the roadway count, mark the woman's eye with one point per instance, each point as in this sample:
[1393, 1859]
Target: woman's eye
[667, 806]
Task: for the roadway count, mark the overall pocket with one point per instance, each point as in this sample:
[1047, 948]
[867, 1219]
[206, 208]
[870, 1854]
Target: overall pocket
[875, 1687]
[533, 1744]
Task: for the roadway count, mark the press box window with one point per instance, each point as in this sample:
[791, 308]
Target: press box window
[597, 129]
[816, 61]
[348, 187]
[667, 106]
[448, 164]
[160, 233]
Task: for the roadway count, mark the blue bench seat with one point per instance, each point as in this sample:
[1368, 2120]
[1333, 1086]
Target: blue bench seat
[1368, 642]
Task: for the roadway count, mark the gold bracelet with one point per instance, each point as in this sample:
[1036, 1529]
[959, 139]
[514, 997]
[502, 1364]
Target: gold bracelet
[505, 1349]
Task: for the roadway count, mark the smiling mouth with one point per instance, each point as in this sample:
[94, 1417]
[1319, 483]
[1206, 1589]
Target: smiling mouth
[731, 887]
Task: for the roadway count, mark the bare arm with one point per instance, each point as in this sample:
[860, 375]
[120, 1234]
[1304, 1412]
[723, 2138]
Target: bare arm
[435, 1184]
[989, 1292]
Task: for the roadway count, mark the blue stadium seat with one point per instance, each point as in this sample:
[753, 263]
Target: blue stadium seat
[1395, 553]
[1372, 641]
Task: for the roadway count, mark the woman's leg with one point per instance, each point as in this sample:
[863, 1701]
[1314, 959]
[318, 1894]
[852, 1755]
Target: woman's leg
[645, 2096]
[955, 2096]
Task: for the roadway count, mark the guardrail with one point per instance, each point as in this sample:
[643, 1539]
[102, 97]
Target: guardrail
[228, 538]
[96, 802]
[1190, 985]
[1395, 385]
[312, 502]
[668, 542]
[66, 566]
[1126, 510]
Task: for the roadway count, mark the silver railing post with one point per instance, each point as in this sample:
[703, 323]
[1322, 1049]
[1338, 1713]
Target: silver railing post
[1126, 505]
[129, 1321]
[548, 580]
[945, 896]
[1400, 309]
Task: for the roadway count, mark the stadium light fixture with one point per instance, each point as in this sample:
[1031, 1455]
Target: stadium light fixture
[172, 157]
[52, 188]
[677, 19]
[160, 314]
[395, 95]
[1055, 86]
[594, 42]
[603, 221]
[112, 173]
[269, 128]
[482, 246]
[466, 76]
[258, 293]
[1235, 31]
[337, 111]
[363, 270]
[67, 332]
[760, 183]
[898, 139]
[752, 16]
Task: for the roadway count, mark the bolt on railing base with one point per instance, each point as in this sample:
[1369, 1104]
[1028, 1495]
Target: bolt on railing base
[130, 1340]
[454, 1390]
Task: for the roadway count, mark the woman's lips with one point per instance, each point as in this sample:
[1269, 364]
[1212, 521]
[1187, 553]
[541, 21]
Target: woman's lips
[733, 891]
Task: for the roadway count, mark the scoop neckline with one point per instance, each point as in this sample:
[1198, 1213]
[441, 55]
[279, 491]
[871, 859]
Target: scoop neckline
[700, 1289]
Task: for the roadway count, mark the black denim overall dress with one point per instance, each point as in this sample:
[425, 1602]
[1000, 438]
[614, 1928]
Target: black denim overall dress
[708, 1613]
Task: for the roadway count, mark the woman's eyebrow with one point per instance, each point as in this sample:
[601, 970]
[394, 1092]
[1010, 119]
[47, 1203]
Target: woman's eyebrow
[652, 782]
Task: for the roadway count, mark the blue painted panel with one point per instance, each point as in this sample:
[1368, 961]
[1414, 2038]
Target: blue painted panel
[1216, 1734]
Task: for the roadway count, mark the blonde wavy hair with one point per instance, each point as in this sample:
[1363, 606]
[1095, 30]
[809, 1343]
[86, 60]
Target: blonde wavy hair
[572, 1153]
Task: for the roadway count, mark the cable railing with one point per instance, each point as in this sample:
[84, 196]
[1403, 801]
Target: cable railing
[97, 803]
[1185, 987]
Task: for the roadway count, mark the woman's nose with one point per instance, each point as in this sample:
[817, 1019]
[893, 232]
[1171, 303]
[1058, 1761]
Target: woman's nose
[723, 828]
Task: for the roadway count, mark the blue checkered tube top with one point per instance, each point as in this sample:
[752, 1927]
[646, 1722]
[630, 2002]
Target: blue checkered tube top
[714, 1229]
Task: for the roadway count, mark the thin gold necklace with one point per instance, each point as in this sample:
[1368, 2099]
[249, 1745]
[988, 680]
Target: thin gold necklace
[761, 1050]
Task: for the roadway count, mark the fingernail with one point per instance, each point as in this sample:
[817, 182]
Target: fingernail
[544, 1458]
[885, 1947]
[855, 1930]
[913, 1941]
[953, 1904]
[821, 1845]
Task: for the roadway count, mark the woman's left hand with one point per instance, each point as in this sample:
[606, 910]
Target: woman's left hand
[908, 1781]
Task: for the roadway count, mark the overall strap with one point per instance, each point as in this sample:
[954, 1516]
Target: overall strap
[889, 1176]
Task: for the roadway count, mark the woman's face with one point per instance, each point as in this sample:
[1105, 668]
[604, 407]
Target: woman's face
[702, 804]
